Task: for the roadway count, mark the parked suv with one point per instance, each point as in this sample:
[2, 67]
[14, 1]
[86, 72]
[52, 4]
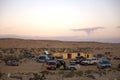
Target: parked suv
[51, 65]
[79, 59]
[12, 62]
[89, 61]
[42, 58]
[60, 62]
[73, 65]
[103, 63]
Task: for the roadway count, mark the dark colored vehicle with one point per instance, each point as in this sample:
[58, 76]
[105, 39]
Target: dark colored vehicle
[12, 62]
[42, 58]
[103, 63]
[79, 59]
[51, 65]
[60, 62]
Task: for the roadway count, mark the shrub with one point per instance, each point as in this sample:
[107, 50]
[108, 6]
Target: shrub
[20, 56]
[16, 77]
[45, 72]
[104, 72]
[36, 77]
[0, 75]
[61, 72]
[100, 55]
[114, 69]
[88, 71]
[1, 55]
[79, 73]
[69, 74]
[91, 76]
[11, 57]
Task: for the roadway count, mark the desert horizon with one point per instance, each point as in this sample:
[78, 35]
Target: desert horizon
[17, 42]
[62, 38]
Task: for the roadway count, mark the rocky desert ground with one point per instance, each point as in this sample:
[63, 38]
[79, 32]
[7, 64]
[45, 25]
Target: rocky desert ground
[29, 69]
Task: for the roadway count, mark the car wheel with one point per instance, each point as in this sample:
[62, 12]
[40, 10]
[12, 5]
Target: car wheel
[95, 63]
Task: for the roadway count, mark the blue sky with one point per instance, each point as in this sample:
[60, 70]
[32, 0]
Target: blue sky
[94, 20]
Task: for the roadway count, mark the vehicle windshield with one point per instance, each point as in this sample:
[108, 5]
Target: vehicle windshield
[59, 59]
[51, 63]
[42, 57]
[79, 57]
[105, 62]
[88, 59]
[72, 63]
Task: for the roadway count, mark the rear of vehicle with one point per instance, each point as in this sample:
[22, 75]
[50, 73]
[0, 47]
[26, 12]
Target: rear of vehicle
[51, 65]
[60, 62]
[103, 63]
[73, 65]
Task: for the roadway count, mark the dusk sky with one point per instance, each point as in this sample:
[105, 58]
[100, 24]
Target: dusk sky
[71, 20]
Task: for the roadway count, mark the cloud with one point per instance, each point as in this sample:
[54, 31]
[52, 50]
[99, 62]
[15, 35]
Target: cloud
[88, 30]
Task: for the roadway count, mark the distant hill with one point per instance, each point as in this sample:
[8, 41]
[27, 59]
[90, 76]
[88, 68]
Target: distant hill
[25, 43]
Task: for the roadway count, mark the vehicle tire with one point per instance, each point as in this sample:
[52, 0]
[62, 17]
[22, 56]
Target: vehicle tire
[86, 64]
[95, 63]
[17, 64]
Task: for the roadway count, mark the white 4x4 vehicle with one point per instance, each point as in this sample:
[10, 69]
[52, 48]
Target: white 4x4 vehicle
[90, 61]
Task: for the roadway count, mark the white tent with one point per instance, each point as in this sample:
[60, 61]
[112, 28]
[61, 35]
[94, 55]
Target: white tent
[46, 52]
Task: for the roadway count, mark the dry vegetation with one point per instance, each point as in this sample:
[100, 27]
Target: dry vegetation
[29, 69]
